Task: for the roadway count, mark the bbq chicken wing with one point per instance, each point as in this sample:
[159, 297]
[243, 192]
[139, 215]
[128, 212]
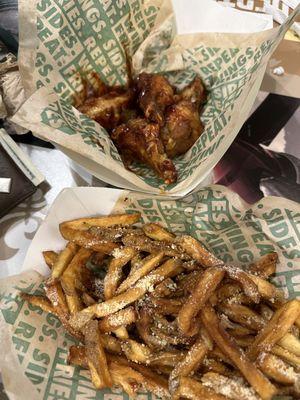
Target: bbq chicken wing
[107, 109]
[139, 140]
[182, 121]
[195, 93]
[154, 94]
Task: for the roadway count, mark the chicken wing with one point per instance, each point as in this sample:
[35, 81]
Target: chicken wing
[107, 109]
[154, 94]
[182, 121]
[139, 140]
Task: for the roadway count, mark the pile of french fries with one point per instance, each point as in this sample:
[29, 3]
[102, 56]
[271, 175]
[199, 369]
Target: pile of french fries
[158, 312]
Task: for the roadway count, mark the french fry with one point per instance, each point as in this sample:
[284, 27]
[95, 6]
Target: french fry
[121, 333]
[55, 294]
[157, 232]
[249, 286]
[212, 365]
[39, 301]
[203, 290]
[165, 288]
[70, 276]
[114, 273]
[230, 387]
[243, 315]
[101, 222]
[193, 358]
[96, 358]
[255, 378]
[170, 268]
[77, 356]
[89, 240]
[144, 243]
[121, 318]
[277, 369]
[134, 351]
[50, 257]
[110, 343]
[275, 329]
[168, 306]
[265, 266]
[233, 328]
[166, 358]
[146, 266]
[290, 343]
[196, 251]
[191, 389]
[287, 356]
[63, 260]
[244, 341]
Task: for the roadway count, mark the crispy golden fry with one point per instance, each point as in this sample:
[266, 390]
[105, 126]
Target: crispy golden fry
[63, 260]
[203, 290]
[134, 351]
[277, 369]
[266, 289]
[188, 283]
[166, 358]
[55, 294]
[287, 356]
[121, 318]
[96, 357]
[265, 266]
[193, 358]
[256, 379]
[244, 341]
[170, 268]
[71, 273]
[121, 333]
[230, 387]
[143, 325]
[168, 306]
[275, 329]
[290, 343]
[195, 250]
[50, 257]
[77, 356]
[243, 315]
[165, 288]
[157, 232]
[87, 299]
[212, 365]
[152, 381]
[147, 265]
[228, 290]
[114, 273]
[110, 343]
[249, 286]
[39, 301]
[144, 243]
[89, 240]
[233, 328]
[189, 388]
[101, 222]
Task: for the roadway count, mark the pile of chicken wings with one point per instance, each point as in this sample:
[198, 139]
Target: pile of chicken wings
[148, 120]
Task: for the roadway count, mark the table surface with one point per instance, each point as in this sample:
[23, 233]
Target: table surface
[19, 226]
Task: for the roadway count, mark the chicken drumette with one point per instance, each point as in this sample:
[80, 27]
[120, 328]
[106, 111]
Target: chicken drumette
[182, 121]
[139, 140]
[154, 94]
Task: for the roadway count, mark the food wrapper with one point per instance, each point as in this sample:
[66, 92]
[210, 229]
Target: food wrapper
[34, 344]
[59, 38]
